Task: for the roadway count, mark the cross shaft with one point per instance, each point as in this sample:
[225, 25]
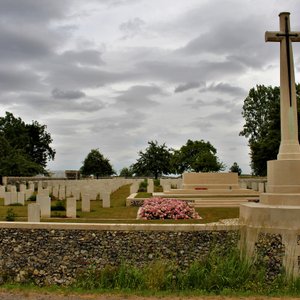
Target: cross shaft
[289, 147]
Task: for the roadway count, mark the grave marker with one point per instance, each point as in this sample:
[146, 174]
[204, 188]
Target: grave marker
[71, 207]
[34, 214]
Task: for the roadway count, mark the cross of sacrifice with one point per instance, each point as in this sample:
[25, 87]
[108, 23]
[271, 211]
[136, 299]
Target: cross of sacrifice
[289, 147]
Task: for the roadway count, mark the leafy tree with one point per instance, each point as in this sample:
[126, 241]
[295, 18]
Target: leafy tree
[198, 156]
[235, 168]
[95, 164]
[126, 172]
[154, 161]
[261, 111]
[25, 148]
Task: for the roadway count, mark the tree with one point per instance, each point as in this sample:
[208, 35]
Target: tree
[261, 111]
[197, 156]
[235, 168]
[25, 148]
[126, 172]
[155, 161]
[95, 164]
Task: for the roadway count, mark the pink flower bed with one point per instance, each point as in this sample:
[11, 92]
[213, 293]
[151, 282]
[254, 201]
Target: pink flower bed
[164, 208]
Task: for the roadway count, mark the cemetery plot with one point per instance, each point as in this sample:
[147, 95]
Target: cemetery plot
[116, 213]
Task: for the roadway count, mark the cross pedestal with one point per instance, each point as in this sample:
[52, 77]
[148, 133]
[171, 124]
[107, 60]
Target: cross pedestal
[279, 209]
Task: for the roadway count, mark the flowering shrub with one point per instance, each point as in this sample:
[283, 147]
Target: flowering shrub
[164, 208]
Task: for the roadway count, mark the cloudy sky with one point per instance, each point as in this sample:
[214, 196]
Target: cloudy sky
[115, 74]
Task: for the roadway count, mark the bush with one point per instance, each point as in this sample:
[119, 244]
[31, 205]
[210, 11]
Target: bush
[32, 198]
[164, 208]
[143, 186]
[10, 215]
[156, 182]
[59, 206]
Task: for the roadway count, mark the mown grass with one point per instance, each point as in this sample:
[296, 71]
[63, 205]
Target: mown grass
[118, 212]
[143, 195]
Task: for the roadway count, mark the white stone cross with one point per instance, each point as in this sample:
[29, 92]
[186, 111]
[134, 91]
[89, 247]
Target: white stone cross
[289, 146]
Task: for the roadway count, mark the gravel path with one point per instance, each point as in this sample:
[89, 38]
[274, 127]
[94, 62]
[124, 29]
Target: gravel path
[5, 295]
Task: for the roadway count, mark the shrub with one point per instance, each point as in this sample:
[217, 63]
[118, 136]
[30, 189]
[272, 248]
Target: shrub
[32, 198]
[156, 182]
[164, 208]
[143, 186]
[59, 206]
[10, 215]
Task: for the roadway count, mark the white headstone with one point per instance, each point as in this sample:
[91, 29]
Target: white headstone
[55, 191]
[45, 204]
[7, 198]
[34, 212]
[254, 185]
[166, 187]
[261, 187]
[71, 207]
[13, 197]
[85, 204]
[31, 186]
[150, 187]
[13, 188]
[21, 198]
[62, 192]
[22, 187]
[2, 191]
[105, 199]
[134, 188]
[28, 194]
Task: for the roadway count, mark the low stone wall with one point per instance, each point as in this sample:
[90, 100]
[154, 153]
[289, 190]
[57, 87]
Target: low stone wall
[56, 253]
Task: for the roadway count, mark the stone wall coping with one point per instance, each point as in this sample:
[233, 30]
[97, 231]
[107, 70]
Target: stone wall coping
[119, 227]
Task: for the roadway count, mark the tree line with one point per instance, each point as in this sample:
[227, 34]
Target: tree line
[25, 149]
[261, 111]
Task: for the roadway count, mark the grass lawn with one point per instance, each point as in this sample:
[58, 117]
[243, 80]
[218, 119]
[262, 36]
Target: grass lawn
[119, 213]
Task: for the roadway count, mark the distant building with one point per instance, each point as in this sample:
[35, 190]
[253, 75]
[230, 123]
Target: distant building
[72, 174]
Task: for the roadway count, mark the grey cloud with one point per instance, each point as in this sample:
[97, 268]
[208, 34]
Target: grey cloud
[28, 45]
[77, 77]
[132, 27]
[139, 96]
[126, 122]
[32, 10]
[40, 103]
[179, 72]
[188, 86]
[60, 94]
[226, 117]
[224, 88]
[118, 2]
[19, 79]
[87, 57]
[216, 102]
[236, 38]
[203, 124]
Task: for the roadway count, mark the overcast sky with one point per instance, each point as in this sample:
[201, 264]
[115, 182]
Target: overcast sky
[115, 74]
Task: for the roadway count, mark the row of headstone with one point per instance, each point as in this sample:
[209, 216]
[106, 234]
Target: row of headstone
[254, 185]
[42, 209]
[169, 183]
[14, 198]
[86, 190]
